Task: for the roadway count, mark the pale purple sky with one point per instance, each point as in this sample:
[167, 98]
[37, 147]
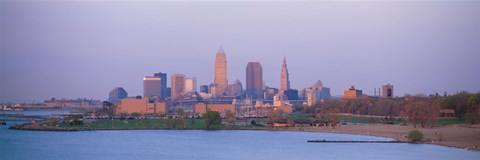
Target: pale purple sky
[85, 49]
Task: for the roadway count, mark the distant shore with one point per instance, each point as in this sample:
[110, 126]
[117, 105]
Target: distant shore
[459, 136]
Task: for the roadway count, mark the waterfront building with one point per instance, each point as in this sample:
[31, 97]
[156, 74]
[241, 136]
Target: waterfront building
[284, 77]
[235, 89]
[204, 89]
[177, 85]
[202, 108]
[254, 80]
[117, 94]
[80, 102]
[387, 91]
[221, 70]
[141, 105]
[163, 83]
[152, 87]
[190, 84]
[352, 93]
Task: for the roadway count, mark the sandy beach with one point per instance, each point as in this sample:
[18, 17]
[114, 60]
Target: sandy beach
[462, 136]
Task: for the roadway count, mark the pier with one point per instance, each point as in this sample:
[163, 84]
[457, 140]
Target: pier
[336, 141]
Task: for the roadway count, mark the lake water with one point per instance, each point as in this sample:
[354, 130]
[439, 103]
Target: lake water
[197, 144]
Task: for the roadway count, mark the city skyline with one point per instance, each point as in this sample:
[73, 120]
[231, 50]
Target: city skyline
[417, 52]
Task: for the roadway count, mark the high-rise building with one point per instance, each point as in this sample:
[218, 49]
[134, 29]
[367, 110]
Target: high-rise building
[387, 91]
[203, 88]
[254, 80]
[117, 94]
[311, 99]
[152, 87]
[214, 90]
[169, 92]
[178, 85]
[284, 77]
[234, 89]
[163, 83]
[221, 70]
[190, 84]
[352, 93]
[319, 91]
[270, 93]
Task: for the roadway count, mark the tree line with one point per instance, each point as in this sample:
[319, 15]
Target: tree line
[424, 110]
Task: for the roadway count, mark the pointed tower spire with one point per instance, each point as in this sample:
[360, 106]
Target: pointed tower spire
[221, 70]
[221, 49]
[284, 77]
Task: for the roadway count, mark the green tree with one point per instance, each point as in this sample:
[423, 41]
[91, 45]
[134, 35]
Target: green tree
[471, 118]
[212, 118]
[415, 135]
[474, 100]
[230, 116]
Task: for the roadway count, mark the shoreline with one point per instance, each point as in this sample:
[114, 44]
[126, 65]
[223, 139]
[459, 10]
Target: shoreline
[456, 136]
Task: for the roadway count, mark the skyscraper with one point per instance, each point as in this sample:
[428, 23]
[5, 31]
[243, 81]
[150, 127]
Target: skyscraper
[284, 77]
[221, 70]
[254, 80]
[178, 85]
[152, 87]
[191, 84]
[163, 83]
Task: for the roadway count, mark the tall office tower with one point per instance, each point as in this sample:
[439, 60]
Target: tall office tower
[177, 85]
[191, 84]
[152, 87]
[163, 87]
[387, 91]
[254, 80]
[117, 94]
[221, 70]
[284, 77]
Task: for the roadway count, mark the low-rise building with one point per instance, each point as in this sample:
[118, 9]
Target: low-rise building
[72, 103]
[202, 108]
[352, 93]
[143, 106]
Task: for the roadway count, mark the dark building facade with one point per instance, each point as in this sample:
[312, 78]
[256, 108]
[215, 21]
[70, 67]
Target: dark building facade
[254, 81]
[204, 89]
[163, 83]
[291, 94]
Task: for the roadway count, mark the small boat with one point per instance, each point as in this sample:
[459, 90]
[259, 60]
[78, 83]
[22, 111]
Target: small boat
[3, 123]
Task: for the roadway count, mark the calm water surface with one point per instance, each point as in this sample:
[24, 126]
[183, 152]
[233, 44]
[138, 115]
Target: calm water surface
[164, 144]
